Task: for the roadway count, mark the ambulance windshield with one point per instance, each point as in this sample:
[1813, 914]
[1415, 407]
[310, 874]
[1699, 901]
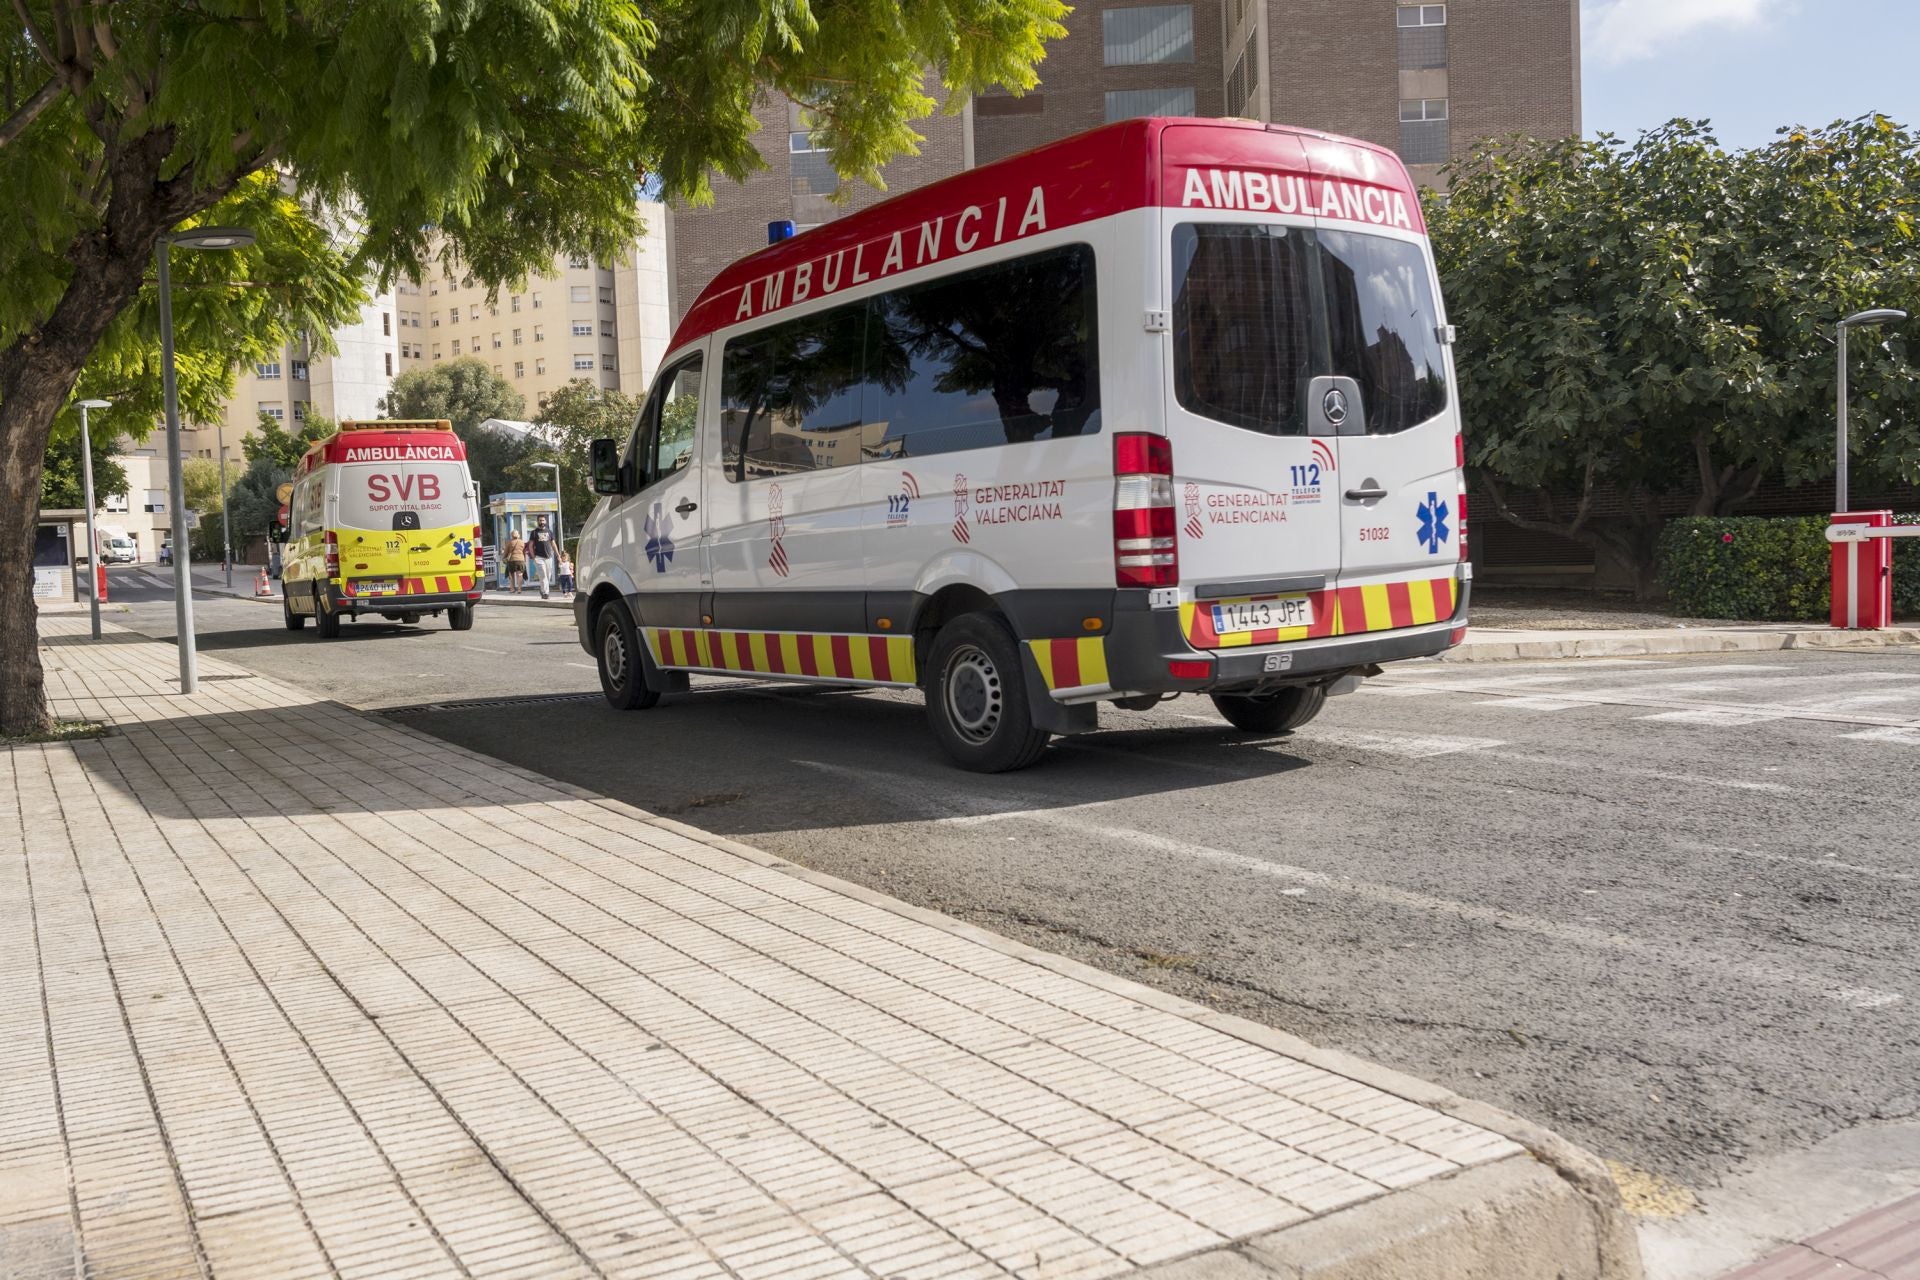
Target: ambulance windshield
[385, 496]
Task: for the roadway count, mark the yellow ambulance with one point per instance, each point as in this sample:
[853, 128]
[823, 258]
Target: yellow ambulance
[383, 521]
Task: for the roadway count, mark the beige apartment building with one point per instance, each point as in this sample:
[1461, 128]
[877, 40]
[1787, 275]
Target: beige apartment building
[606, 322]
[1428, 80]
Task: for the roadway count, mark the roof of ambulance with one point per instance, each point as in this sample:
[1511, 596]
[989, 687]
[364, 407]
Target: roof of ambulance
[1122, 163]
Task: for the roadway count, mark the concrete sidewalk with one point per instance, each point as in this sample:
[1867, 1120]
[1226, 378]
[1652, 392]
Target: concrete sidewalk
[1486, 644]
[295, 991]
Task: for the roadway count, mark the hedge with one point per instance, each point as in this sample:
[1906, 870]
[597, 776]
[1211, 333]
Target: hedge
[1766, 567]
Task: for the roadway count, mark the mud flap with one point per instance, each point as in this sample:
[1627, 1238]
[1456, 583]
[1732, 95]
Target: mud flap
[652, 675]
[1054, 717]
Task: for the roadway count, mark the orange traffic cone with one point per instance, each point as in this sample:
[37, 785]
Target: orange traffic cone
[261, 587]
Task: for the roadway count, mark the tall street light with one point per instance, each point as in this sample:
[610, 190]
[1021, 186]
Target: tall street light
[559, 507]
[94, 568]
[1881, 315]
[226, 526]
[196, 238]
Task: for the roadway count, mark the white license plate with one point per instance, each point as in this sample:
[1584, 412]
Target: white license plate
[1262, 615]
[382, 587]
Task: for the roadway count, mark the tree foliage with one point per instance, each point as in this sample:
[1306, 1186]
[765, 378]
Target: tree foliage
[467, 392]
[576, 415]
[493, 133]
[1653, 319]
[62, 484]
[284, 447]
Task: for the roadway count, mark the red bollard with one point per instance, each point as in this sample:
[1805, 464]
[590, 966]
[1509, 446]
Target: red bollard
[100, 581]
[1863, 575]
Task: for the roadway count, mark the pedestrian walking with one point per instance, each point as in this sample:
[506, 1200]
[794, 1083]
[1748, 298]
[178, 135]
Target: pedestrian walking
[540, 551]
[516, 557]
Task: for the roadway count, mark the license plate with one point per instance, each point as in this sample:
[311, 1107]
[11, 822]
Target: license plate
[380, 587]
[1262, 615]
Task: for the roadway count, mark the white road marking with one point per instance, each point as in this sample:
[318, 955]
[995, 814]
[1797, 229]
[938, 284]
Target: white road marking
[584, 666]
[1409, 745]
[477, 649]
[1660, 775]
[1654, 702]
[1064, 818]
[1906, 737]
[1820, 864]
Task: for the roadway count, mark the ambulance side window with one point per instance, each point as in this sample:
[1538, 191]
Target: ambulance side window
[663, 444]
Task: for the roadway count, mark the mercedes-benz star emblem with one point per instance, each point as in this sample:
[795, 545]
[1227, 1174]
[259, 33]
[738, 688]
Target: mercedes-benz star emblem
[1334, 405]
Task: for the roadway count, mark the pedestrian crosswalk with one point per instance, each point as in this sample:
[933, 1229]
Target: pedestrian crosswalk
[1875, 700]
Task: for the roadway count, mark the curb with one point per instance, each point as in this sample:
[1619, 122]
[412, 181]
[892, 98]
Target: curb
[1663, 643]
[1552, 1211]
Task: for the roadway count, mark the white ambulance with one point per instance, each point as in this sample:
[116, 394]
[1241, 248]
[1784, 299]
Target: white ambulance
[1166, 407]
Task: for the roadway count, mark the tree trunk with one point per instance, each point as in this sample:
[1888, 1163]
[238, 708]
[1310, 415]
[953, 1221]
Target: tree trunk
[37, 375]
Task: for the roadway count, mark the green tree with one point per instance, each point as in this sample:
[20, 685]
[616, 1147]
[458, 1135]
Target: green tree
[62, 484]
[200, 477]
[574, 416]
[253, 503]
[493, 133]
[467, 393]
[285, 447]
[1652, 320]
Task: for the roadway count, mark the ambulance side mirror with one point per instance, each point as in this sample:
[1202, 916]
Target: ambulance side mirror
[604, 460]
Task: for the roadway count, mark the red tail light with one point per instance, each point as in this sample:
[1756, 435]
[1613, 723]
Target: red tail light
[1463, 524]
[333, 555]
[1460, 461]
[1145, 549]
[1189, 669]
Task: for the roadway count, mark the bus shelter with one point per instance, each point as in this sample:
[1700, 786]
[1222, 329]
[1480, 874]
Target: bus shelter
[511, 513]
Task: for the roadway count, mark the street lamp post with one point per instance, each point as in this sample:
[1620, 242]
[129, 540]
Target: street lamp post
[197, 238]
[226, 526]
[1882, 315]
[559, 505]
[94, 569]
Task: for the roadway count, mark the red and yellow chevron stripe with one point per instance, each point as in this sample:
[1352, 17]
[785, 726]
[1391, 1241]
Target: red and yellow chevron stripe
[1079, 662]
[866, 659]
[410, 586]
[1341, 611]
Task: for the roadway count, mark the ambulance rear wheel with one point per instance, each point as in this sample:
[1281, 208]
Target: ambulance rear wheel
[1281, 711]
[326, 621]
[294, 621]
[977, 697]
[459, 617]
[617, 645]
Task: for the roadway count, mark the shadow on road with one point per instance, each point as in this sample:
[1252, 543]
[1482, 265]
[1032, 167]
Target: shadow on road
[277, 636]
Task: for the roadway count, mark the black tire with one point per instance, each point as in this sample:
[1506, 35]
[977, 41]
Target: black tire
[1281, 711]
[977, 697]
[616, 647]
[294, 621]
[459, 617]
[326, 621]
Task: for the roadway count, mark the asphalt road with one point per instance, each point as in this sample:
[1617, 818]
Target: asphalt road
[1667, 907]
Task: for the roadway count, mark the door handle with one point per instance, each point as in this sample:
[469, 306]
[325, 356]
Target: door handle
[1362, 494]
[687, 506]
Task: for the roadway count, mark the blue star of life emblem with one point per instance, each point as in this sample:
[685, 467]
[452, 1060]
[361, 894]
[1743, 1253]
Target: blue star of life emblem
[1433, 523]
[462, 547]
[660, 538]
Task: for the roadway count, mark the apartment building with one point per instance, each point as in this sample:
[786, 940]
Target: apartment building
[602, 321]
[1428, 80]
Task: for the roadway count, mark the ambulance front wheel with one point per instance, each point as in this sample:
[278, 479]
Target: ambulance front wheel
[977, 697]
[617, 645]
[1281, 711]
[459, 617]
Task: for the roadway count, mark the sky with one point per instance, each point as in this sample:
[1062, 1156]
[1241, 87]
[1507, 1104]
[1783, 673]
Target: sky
[1750, 66]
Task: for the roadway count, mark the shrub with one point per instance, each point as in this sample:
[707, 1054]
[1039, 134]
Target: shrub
[1766, 568]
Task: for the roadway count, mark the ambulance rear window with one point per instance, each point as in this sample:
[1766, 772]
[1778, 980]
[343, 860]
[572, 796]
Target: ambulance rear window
[386, 496]
[1242, 325]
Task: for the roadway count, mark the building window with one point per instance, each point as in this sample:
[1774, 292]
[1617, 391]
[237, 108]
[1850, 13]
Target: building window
[1240, 83]
[157, 498]
[581, 293]
[1125, 104]
[273, 409]
[268, 369]
[583, 362]
[519, 368]
[453, 315]
[496, 342]
[1423, 131]
[389, 356]
[1423, 37]
[606, 295]
[299, 410]
[539, 366]
[1153, 33]
[583, 328]
[539, 333]
[536, 299]
[813, 173]
[433, 288]
[386, 324]
[300, 370]
[436, 319]
[578, 264]
[606, 328]
[516, 337]
[456, 346]
[513, 304]
[473, 311]
[607, 363]
[436, 351]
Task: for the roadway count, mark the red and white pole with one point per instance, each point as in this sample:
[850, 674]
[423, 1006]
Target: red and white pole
[1863, 574]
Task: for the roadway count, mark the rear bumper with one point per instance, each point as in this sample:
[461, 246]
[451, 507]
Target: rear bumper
[417, 602]
[1143, 641]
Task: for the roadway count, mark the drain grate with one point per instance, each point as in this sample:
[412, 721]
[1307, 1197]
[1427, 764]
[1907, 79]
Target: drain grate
[489, 704]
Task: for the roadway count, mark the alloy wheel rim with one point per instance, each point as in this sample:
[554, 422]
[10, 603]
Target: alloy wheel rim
[613, 654]
[974, 697]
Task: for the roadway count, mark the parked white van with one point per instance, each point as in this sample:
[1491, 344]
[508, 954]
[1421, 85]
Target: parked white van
[1163, 408]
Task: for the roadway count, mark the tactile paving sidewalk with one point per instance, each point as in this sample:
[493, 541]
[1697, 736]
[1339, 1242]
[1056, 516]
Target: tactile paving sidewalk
[287, 991]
